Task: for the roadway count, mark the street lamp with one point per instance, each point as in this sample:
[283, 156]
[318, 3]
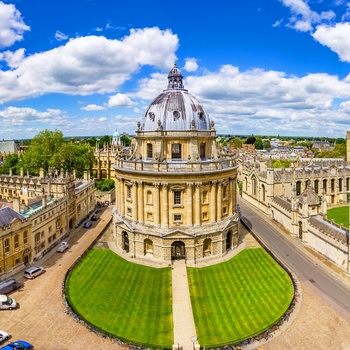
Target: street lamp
[194, 340]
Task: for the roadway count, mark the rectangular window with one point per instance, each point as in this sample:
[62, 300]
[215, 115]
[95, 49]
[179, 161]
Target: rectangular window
[149, 216]
[128, 192]
[149, 150]
[224, 191]
[177, 197]
[128, 211]
[17, 261]
[176, 151]
[25, 237]
[205, 196]
[332, 185]
[340, 185]
[16, 242]
[316, 186]
[37, 237]
[205, 215]
[177, 218]
[7, 245]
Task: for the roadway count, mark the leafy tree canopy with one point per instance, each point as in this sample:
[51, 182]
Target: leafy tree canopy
[105, 184]
[50, 149]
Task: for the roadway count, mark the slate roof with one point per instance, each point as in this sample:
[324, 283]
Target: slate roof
[8, 215]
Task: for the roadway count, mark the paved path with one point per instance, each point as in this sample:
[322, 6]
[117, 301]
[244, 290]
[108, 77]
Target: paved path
[184, 328]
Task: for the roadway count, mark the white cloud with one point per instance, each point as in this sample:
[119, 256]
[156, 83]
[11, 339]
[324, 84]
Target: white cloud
[337, 38]
[12, 59]
[12, 26]
[190, 65]
[120, 100]
[79, 68]
[93, 107]
[265, 102]
[59, 36]
[302, 17]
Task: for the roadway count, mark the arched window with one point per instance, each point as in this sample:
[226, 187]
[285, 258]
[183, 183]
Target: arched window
[207, 247]
[263, 193]
[254, 185]
[7, 245]
[332, 185]
[340, 185]
[148, 247]
[16, 241]
[316, 185]
[324, 185]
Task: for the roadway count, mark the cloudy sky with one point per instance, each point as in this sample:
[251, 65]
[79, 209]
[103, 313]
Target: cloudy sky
[90, 67]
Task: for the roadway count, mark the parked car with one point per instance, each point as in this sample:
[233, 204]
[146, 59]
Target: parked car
[18, 344]
[33, 272]
[94, 217]
[3, 336]
[7, 303]
[62, 247]
[9, 285]
[87, 224]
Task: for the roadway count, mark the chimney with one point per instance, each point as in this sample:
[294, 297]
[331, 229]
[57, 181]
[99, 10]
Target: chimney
[16, 204]
[21, 172]
[10, 172]
[41, 173]
[85, 175]
[44, 201]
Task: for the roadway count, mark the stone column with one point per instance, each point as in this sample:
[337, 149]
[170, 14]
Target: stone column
[219, 201]
[230, 196]
[189, 204]
[197, 203]
[122, 197]
[156, 205]
[165, 206]
[213, 203]
[140, 202]
[134, 201]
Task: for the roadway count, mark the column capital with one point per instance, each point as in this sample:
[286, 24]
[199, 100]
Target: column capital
[198, 184]
[164, 185]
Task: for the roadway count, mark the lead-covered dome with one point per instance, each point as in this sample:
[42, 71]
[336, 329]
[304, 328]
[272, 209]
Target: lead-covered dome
[175, 108]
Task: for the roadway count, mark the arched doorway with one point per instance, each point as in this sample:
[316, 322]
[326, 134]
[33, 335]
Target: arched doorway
[125, 241]
[178, 250]
[228, 240]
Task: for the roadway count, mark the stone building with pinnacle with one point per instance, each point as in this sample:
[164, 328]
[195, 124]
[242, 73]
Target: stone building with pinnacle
[175, 192]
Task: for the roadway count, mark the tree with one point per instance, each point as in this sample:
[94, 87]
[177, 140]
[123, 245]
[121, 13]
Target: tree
[11, 162]
[49, 149]
[41, 151]
[125, 140]
[105, 184]
[258, 143]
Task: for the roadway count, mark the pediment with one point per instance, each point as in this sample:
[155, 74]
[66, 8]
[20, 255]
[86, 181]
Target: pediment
[177, 234]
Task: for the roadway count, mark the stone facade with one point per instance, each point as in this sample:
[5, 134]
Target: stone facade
[175, 193]
[37, 213]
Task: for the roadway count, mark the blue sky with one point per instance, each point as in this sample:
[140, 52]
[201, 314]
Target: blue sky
[90, 67]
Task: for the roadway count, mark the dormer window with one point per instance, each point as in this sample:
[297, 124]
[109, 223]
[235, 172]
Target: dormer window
[200, 115]
[151, 116]
[176, 115]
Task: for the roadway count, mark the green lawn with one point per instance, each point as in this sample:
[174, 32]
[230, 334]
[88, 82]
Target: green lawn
[239, 298]
[130, 301]
[340, 215]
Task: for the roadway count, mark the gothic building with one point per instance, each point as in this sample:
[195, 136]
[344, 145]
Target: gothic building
[175, 192]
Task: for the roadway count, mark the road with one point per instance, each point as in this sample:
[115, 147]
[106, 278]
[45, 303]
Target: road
[294, 255]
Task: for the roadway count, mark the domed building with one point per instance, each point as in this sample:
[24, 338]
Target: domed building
[175, 190]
